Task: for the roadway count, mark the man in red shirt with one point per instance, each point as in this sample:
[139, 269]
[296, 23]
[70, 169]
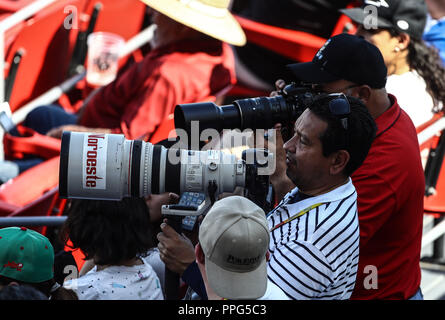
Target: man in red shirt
[390, 183]
[190, 61]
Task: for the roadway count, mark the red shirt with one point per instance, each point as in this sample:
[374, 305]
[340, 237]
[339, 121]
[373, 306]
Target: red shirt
[143, 96]
[390, 187]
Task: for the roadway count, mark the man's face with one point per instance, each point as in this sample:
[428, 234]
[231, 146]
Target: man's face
[306, 165]
[167, 29]
[347, 87]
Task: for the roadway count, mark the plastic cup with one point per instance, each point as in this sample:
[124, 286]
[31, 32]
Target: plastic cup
[103, 57]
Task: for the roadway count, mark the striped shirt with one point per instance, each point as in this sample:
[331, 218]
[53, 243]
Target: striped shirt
[315, 256]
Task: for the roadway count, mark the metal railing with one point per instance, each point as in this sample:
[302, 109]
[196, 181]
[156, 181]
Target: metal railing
[32, 221]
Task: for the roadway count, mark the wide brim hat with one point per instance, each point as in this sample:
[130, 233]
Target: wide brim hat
[210, 17]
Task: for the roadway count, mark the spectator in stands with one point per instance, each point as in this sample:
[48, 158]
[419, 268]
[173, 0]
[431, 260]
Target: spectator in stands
[231, 253]
[416, 75]
[116, 235]
[435, 27]
[390, 183]
[190, 61]
[27, 259]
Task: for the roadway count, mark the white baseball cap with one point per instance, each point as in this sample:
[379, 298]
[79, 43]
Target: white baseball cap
[234, 237]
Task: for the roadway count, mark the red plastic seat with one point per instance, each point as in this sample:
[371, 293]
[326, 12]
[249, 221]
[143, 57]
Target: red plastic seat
[31, 143]
[434, 204]
[296, 45]
[9, 7]
[123, 17]
[47, 47]
[29, 186]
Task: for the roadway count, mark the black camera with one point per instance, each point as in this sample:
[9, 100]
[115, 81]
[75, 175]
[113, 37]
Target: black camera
[251, 113]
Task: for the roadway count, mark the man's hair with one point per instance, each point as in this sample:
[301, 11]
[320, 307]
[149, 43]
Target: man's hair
[109, 231]
[358, 137]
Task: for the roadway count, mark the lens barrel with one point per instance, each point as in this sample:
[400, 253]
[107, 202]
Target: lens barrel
[252, 113]
[109, 167]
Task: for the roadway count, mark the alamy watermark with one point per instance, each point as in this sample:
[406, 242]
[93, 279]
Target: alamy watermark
[71, 21]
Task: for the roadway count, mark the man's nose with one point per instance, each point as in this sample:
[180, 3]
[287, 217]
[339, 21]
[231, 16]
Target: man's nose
[288, 145]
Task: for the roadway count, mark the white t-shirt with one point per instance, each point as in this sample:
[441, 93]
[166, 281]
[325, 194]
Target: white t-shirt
[138, 282]
[410, 90]
[273, 292]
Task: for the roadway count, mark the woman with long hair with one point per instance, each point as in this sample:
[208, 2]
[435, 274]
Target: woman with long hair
[416, 75]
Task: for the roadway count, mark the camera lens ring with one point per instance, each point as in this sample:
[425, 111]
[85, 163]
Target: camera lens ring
[135, 168]
[63, 166]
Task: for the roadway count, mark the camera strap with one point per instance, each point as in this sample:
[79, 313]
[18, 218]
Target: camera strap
[297, 215]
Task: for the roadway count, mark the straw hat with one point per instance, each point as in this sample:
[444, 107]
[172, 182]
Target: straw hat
[211, 17]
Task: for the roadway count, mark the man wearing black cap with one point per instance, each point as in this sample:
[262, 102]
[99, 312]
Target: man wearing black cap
[416, 75]
[390, 183]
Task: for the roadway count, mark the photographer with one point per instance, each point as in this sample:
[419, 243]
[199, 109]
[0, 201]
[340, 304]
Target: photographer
[333, 138]
[390, 183]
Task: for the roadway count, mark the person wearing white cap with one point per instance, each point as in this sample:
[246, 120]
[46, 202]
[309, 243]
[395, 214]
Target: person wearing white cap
[231, 253]
[234, 239]
[190, 61]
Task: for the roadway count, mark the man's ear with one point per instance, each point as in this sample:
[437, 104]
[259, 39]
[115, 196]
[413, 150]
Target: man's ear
[364, 93]
[339, 161]
[199, 254]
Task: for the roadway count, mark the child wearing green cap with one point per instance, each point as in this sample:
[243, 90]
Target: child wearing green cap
[27, 258]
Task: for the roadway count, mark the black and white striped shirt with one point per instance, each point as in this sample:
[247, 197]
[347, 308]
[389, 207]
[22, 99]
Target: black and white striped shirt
[315, 256]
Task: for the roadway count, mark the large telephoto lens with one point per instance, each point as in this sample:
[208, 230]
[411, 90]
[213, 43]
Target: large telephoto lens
[252, 113]
[109, 167]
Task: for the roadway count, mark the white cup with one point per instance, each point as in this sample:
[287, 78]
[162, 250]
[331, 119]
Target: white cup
[103, 57]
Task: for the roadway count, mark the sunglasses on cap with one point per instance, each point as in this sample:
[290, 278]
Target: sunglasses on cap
[340, 108]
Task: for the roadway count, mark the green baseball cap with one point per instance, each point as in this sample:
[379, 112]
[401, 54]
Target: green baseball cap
[25, 255]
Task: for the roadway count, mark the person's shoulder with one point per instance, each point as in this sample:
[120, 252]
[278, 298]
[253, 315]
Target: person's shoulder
[273, 292]
[86, 286]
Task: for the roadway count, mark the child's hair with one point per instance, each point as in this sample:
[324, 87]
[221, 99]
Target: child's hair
[109, 232]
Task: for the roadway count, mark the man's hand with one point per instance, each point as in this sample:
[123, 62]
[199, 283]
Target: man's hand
[279, 85]
[279, 180]
[156, 201]
[176, 251]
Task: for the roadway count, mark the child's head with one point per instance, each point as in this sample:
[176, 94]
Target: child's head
[110, 232]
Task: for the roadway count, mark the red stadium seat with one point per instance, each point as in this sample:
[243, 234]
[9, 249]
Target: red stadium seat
[30, 185]
[47, 46]
[30, 143]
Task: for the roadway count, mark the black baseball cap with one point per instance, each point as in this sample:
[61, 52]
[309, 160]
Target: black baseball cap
[408, 16]
[346, 57]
